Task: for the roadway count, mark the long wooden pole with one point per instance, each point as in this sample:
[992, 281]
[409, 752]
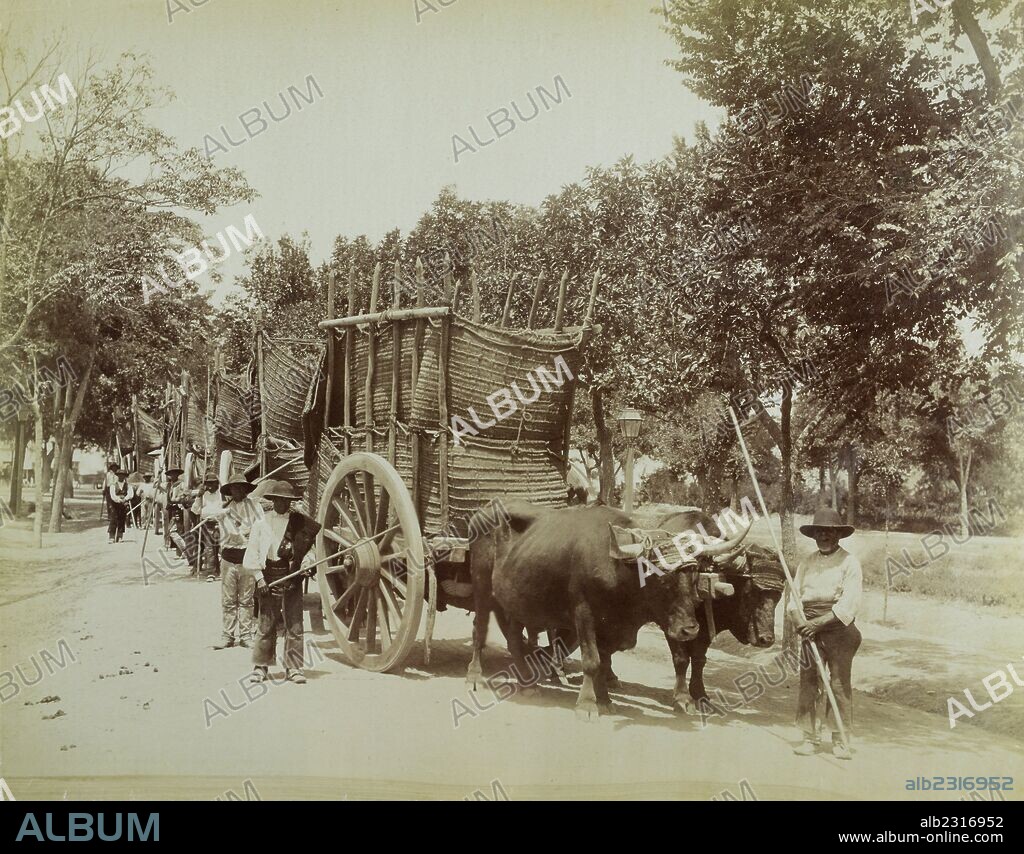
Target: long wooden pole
[789, 579]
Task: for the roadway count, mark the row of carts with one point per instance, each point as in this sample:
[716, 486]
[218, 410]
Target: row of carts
[389, 431]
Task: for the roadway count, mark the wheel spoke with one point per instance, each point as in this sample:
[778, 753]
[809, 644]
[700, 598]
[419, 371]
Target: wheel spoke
[359, 616]
[384, 620]
[383, 509]
[395, 582]
[344, 598]
[351, 525]
[391, 601]
[340, 540]
[394, 556]
[389, 537]
[350, 485]
[369, 504]
[371, 619]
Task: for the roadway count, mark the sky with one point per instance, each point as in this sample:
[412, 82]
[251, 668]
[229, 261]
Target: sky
[398, 80]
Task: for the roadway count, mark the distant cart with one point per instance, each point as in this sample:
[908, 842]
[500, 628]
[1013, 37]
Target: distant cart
[404, 446]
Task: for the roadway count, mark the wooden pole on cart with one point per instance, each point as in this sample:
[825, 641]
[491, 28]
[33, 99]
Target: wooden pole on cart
[538, 292]
[347, 402]
[506, 312]
[371, 360]
[474, 288]
[330, 348]
[822, 674]
[417, 352]
[261, 390]
[396, 371]
[560, 309]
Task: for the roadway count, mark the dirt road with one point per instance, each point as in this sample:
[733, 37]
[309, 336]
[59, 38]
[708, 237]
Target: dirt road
[146, 709]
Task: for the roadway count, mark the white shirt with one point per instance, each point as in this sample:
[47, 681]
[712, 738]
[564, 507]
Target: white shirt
[236, 524]
[835, 579]
[264, 540]
[207, 504]
[128, 496]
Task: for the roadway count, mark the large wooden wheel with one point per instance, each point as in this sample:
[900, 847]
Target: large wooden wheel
[372, 588]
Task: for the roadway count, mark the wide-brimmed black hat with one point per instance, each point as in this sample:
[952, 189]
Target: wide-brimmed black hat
[211, 477]
[825, 518]
[225, 489]
[174, 472]
[277, 489]
[121, 473]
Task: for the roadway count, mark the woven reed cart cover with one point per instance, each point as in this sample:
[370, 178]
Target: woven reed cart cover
[392, 485]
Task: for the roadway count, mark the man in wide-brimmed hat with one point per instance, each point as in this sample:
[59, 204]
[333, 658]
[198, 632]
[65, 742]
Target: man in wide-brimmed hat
[121, 495]
[828, 584]
[175, 494]
[206, 506]
[236, 518]
[269, 555]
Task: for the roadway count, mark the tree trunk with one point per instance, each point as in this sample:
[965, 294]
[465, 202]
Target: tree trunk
[853, 475]
[821, 484]
[37, 411]
[964, 15]
[965, 472]
[833, 479]
[66, 434]
[786, 492]
[47, 469]
[605, 458]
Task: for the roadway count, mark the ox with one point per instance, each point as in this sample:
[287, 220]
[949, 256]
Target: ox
[755, 577]
[554, 570]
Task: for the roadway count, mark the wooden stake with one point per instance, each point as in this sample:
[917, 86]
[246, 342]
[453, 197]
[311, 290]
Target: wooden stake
[593, 299]
[474, 287]
[506, 313]
[328, 397]
[371, 360]
[537, 291]
[347, 408]
[396, 368]
[560, 309]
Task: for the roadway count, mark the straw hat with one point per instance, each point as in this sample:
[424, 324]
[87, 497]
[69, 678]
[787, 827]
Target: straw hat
[225, 489]
[277, 489]
[826, 519]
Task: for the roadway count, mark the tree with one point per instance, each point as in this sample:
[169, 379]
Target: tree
[78, 234]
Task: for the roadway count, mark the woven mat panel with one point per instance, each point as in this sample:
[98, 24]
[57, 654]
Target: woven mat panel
[295, 472]
[478, 471]
[233, 414]
[382, 376]
[326, 458]
[287, 373]
[151, 432]
[484, 360]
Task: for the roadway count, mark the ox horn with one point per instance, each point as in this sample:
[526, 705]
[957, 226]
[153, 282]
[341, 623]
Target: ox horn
[714, 547]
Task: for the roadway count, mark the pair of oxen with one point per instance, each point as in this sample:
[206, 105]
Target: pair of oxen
[567, 572]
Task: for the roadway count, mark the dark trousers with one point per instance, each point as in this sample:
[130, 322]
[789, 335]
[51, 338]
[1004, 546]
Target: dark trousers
[838, 645]
[208, 536]
[277, 614]
[118, 513]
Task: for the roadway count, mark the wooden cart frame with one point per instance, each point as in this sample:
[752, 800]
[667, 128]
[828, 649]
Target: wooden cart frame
[376, 559]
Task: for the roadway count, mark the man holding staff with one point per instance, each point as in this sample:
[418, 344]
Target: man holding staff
[828, 584]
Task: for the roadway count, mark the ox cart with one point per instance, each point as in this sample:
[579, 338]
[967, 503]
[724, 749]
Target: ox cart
[405, 443]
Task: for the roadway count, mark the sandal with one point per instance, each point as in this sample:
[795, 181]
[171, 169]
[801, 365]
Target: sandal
[296, 677]
[259, 674]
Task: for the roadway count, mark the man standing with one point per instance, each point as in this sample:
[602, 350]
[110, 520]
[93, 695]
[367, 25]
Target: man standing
[109, 480]
[172, 519]
[236, 518]
[121, 495]
[828, 584]
[206, 506]
[269, 556]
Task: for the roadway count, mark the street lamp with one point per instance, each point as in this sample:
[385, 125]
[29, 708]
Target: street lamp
[629, 421]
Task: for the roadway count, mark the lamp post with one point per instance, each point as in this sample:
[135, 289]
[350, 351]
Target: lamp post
[629, 421]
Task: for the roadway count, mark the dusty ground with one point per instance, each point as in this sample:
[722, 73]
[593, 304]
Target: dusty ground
[149, 710]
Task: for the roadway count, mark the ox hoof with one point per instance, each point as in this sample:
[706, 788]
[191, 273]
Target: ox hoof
[474, 678]
[527, 691]
[587, 711]
[684, 704]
